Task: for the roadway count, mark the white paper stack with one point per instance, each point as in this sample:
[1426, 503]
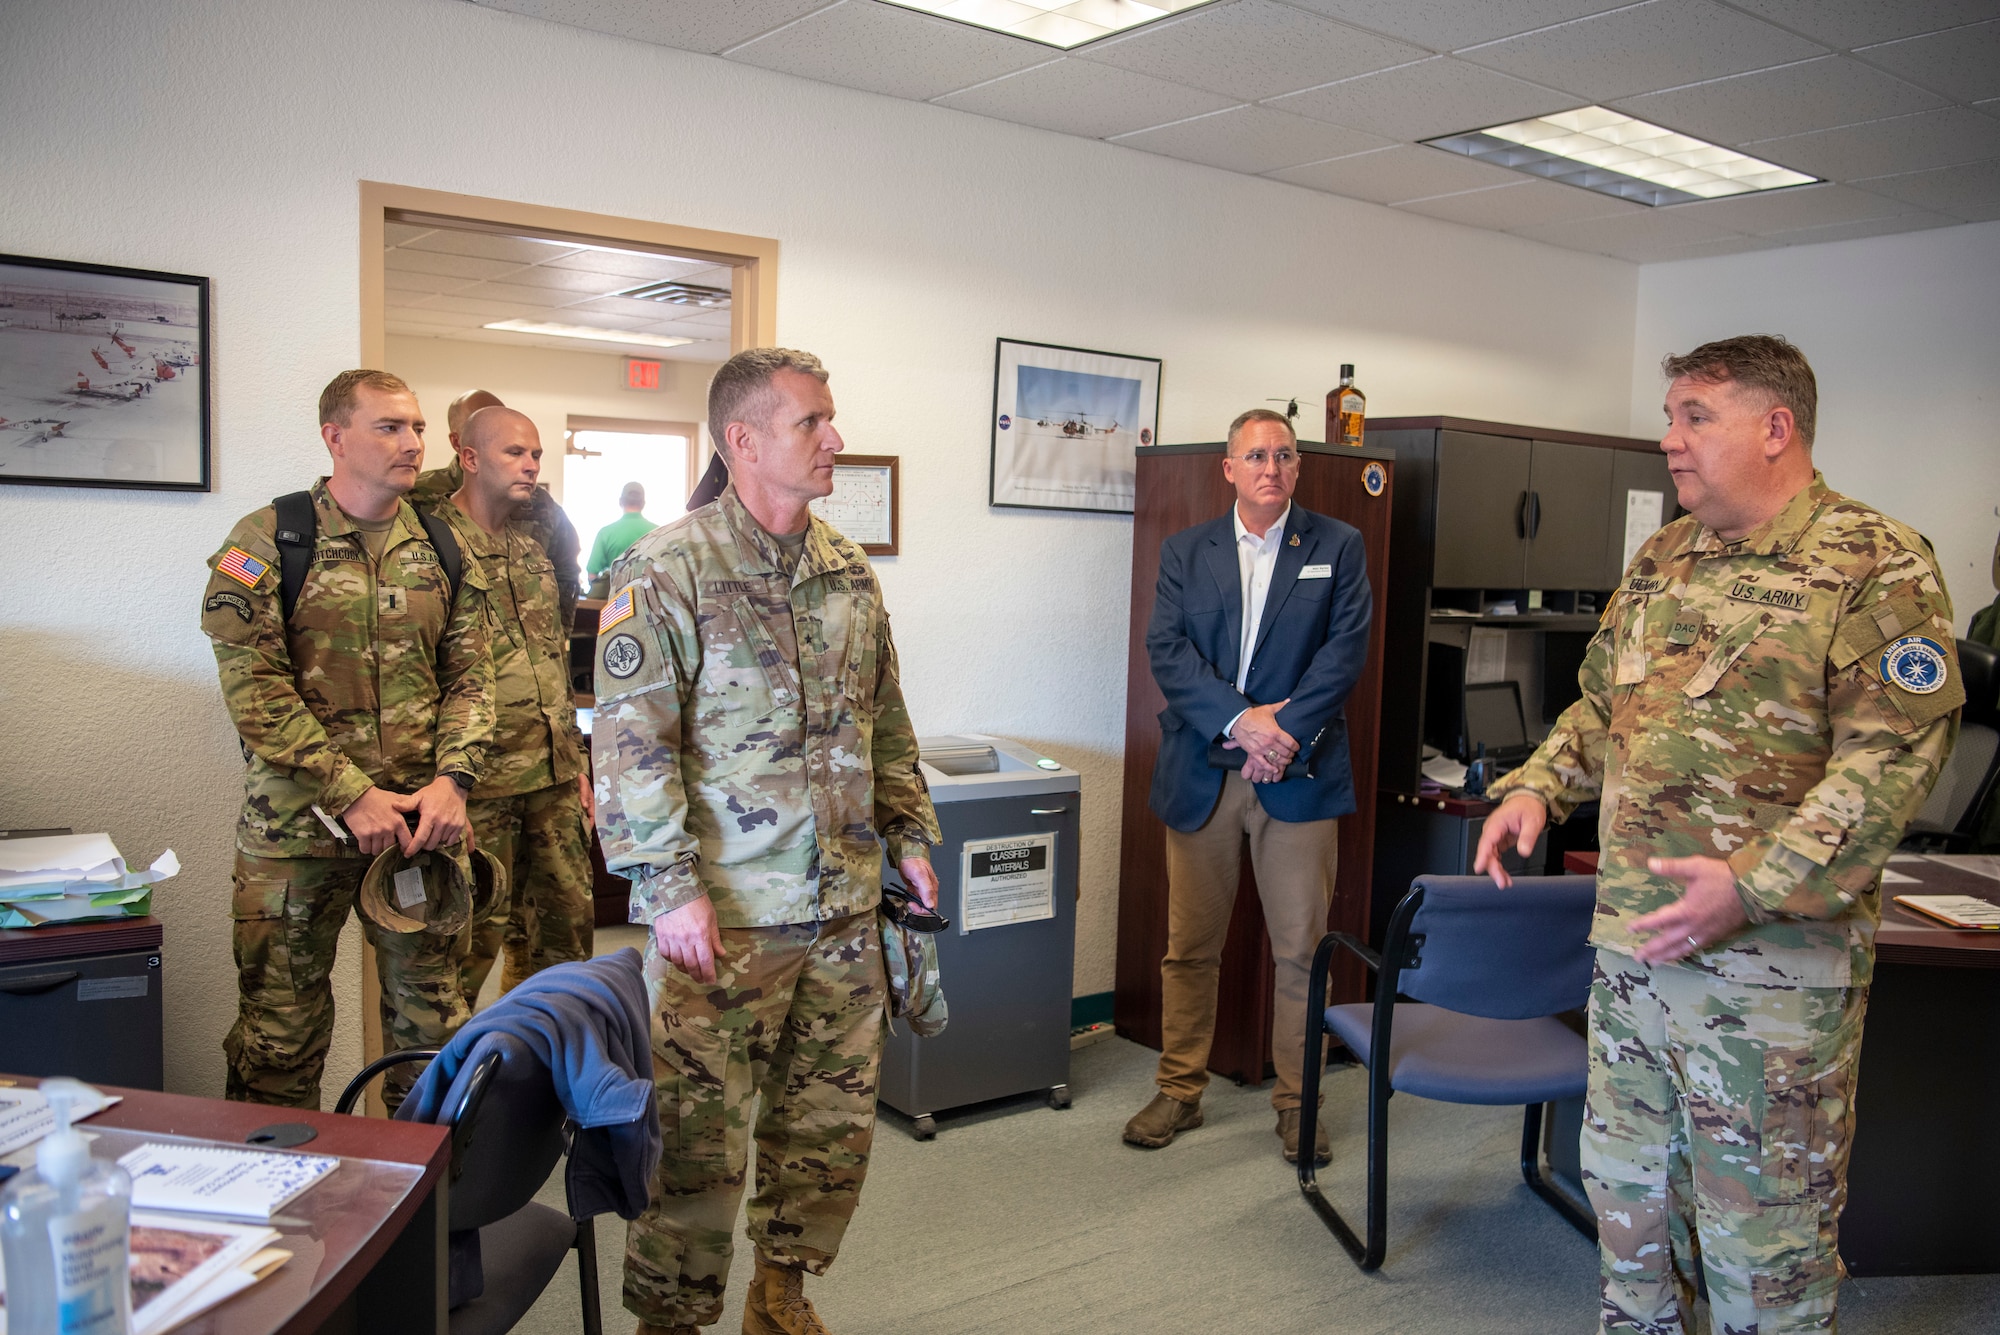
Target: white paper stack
[73, 877]
[215, 1179]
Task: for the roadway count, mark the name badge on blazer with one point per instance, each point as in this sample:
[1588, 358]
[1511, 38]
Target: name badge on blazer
[1316, 572]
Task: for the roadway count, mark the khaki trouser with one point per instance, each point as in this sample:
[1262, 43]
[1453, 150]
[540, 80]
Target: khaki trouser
[783, 1048]
[1717, 1130]
[287, 914]
[1294, 862]
[547, 916]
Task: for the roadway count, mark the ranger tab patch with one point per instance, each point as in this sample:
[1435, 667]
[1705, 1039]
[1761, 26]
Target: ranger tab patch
[242, 567]
[615, 611]
[1916, 663]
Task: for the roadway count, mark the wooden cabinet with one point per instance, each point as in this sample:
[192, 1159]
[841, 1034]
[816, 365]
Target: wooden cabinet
[1520, 513]
[1180, 486]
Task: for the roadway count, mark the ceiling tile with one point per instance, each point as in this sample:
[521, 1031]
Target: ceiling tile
[1633, 236]
[397, 234]
[1251, 139]
[1963, 63]
[486, 310]
[632, 312]
[692, 25]
[1250, 50]
[1431, 97]
[1969, 192]
[1446, 25]
[541, 298]
[1524, 204]
[883, 49]
[1392, 175]
[634, 265]
[562, 282]
[1791, 99]
[1850, 23]
[519, 249]
[1659, 44]
[1851, 231]
[1907, 143]
[1701, 250]
[425, 284]
[452, 266]
[1773, 211]
[1081, 97]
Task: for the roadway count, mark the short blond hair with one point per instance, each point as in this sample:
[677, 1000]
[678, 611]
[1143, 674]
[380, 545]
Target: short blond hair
[742, 385]
[1258, 415]
[338, 400]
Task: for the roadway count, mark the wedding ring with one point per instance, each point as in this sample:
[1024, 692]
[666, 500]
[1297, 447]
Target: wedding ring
[1694, 943]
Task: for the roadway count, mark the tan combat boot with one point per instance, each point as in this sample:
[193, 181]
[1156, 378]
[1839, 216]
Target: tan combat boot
[1160, 1121]
[777, 1304]
[1288, 1136]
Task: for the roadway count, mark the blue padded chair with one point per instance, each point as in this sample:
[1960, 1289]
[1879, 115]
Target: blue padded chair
[1486, 972]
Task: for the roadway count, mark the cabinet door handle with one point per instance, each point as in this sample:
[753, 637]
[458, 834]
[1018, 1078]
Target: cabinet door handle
[1046, 811]
[1534, 513]
[36, 984]
[1521, 516]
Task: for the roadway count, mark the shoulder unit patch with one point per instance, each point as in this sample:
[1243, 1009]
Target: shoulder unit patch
[1916, 663]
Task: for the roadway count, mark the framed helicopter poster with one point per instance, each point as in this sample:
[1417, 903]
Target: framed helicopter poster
[103, 376]
[1065, 423]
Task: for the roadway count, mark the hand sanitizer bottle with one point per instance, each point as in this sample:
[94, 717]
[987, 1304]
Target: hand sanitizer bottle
[66, 1232]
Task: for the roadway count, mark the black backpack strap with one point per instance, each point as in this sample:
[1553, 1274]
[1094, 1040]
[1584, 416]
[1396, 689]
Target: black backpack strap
[446, 547]
[298, 532]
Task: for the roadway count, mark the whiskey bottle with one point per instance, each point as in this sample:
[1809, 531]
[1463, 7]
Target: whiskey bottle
[1346, 408]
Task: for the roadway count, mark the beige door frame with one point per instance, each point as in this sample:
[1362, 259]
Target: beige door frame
[753, 263]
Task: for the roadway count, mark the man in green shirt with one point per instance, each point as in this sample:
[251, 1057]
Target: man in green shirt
[620, 533]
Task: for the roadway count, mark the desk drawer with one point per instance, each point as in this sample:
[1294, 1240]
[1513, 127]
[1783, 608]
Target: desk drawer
[97, 1018]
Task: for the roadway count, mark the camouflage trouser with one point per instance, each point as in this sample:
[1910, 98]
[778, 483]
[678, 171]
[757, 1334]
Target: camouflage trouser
[546, 917]
[287, 915]
[1717, 1131]
[794, 1021]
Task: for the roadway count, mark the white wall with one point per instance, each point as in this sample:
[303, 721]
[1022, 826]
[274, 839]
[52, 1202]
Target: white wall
[1903, 333]
[226, 138]
[546, 384]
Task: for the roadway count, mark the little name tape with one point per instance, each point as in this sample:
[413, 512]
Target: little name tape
[1316, 572]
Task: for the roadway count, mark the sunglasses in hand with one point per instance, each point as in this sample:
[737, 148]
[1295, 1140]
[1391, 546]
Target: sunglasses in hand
[906, 910]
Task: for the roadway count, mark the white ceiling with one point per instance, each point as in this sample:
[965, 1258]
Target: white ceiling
[1895, 102]
[443, 282]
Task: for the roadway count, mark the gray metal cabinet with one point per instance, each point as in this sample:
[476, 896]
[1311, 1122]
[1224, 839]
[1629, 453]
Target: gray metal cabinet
[1482, 484]
[95, 1017]
[1569, 488]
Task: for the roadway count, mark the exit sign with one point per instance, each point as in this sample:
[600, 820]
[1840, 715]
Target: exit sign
[641, 374]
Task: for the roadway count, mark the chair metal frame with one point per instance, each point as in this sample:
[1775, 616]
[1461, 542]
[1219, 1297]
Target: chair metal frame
[1399, 949]
[463, 1118]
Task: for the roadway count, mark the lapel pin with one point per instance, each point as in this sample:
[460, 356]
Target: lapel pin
[1294, 542]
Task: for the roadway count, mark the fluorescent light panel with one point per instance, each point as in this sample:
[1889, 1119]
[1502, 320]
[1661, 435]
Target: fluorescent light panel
[550, 330]
[1063, 24]
[1615, 154]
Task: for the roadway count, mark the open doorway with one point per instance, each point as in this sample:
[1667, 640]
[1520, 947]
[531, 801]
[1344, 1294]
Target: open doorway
[603, 330]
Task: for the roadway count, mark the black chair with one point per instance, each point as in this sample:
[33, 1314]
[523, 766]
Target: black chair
[507, 1134]
[1949, 819]
[1488, 971]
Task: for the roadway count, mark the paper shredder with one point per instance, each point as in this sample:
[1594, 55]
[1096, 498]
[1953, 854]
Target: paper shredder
[1007, 880]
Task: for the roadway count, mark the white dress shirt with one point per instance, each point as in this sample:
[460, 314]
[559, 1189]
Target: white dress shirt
[1256, 559]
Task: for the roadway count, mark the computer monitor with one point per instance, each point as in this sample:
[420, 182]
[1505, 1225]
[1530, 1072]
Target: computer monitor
[1493, 716]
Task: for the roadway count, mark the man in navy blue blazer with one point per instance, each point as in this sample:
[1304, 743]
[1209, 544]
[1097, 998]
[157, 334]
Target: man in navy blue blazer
[1259, 630]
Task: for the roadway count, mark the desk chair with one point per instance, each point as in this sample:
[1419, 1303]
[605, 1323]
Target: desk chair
[508, 1131]
[1950, 817]
[1487, 971]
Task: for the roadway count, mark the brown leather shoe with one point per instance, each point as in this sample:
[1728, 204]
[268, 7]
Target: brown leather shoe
[777, 1304]
[1156, 1124]
[1288, 1133]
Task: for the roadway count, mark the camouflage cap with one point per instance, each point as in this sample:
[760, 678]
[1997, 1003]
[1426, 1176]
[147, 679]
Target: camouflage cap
[440, 890]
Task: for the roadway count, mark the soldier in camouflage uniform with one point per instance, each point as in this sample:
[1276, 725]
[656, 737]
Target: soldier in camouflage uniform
[753, 761]
[373, 703]
[541, 518]
[1767, 702]
[528, 808]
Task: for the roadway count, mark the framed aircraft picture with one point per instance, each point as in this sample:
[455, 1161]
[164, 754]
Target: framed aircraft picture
[103, 376]
[1065, 423]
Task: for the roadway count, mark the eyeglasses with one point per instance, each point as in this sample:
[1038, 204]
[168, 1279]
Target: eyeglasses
[1283, 458]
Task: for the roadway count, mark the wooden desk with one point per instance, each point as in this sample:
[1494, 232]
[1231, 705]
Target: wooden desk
[1926, 1161]
[367, 1243]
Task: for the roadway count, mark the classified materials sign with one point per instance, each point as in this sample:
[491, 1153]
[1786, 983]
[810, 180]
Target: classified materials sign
[1004, 881]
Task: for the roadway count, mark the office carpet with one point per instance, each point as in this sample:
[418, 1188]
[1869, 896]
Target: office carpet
[1020, 1220]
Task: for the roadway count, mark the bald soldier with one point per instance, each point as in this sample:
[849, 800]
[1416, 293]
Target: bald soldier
[1766, 704]
[544, 519]
[527, 811]
[367, 702]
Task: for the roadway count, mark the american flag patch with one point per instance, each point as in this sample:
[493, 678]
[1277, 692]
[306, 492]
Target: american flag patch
[615, 611]
[242, 567]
